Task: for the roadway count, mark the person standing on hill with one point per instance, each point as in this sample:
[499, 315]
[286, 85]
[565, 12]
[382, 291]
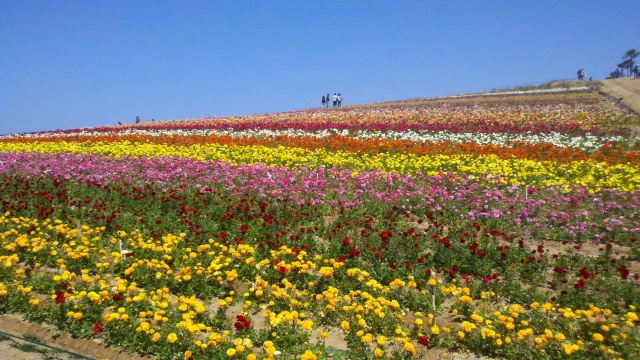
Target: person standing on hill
[636, 71]
[339, 99]
[323, 101]
[335, 99]
[137, 119]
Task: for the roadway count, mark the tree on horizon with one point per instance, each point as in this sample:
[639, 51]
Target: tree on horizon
[628, 62]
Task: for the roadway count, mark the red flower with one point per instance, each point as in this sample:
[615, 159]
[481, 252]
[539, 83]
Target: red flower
[345, 240]
[283, 270]
[623, 271]
[97, 328]
[241, 323]
[423, 340]
[59, 297]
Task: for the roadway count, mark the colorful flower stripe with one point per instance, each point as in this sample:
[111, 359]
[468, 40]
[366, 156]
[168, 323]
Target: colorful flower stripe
[592, 174]
[557, 148]
[523, 92]
[586, 142]
[551, 212]
[600, 120]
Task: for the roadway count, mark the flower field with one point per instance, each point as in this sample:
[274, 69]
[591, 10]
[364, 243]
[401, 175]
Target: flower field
[503, 226]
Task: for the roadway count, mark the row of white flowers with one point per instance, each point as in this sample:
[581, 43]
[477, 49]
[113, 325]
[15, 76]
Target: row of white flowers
[587, 142]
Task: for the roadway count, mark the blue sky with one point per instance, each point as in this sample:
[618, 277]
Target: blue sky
[70, 64]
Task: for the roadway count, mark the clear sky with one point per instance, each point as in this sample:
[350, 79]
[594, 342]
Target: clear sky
[69, 64]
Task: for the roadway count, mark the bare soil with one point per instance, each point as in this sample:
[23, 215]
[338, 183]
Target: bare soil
[11, 348]
[626, 90]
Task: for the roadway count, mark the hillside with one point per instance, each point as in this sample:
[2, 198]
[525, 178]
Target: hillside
[626, 90]
[499, 225]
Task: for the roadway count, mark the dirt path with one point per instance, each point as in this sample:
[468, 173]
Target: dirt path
[12, 348]
[627, 89]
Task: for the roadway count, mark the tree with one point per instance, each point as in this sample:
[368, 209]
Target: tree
[627, 64]
[628, 58]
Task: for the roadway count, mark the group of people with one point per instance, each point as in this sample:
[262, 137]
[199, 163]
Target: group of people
[137, 120]
[581, 74]
[337, 100]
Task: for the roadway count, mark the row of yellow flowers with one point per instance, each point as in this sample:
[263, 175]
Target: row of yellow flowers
[160, 316]
[592, 174]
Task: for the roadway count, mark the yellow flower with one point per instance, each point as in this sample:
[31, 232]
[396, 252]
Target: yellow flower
[559, 337]
[598, 337]
[467, 326]
[308, 355]
[345, 325]
[171, 338]
[432, 282]
[408, 347]
[155, 337]
[534, 305]
[435, 330]
[231, 352]
[465, 299]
